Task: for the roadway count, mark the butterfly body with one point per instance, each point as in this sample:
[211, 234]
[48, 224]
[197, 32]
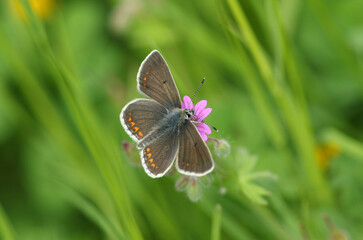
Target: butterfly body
[169, 124]
[162, 129]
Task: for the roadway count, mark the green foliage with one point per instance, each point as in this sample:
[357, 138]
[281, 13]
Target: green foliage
[284, 79]
[245, 164]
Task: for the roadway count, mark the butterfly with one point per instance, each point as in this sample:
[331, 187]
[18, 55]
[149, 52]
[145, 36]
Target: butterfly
[164, 132]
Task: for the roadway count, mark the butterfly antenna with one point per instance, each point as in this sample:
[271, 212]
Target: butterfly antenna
[215, 129]
[198, 88]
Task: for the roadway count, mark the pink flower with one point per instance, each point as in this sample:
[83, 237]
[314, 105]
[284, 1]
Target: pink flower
[200, 113]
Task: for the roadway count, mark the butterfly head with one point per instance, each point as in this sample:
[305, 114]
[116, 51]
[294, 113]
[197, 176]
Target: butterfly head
[189, 113]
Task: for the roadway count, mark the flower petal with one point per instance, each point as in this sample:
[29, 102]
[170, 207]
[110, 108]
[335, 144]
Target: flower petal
[187, 103]
[204, 114]
[199, 107]
[204, 137]
[204, 128]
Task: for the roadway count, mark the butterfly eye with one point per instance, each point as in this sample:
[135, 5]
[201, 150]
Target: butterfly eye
[188, 113]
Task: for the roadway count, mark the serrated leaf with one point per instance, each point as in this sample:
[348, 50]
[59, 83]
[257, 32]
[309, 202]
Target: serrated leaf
[246, 162]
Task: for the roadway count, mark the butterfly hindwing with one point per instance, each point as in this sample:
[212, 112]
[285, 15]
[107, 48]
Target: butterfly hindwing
[158, 157]
[140, 116]
[194, 157]
[160, 127]
[154, 79]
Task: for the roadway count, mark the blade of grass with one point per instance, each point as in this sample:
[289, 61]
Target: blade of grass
[104, 152]
[273, 126]
[347, 144]
[108, 171]
[216, 223]
[291, 112]
[289, 60]
[261, 215]
[335, 36]
[110, 227]
[6, 230]
[233, 228]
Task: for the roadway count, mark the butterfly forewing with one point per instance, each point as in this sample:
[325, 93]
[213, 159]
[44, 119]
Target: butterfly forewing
[194, 157]
[162, 135]
[140, 116]
[158, 157]
[155, 80]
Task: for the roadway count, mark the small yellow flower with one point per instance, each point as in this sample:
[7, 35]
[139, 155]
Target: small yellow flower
[325, 152]
[42, 8]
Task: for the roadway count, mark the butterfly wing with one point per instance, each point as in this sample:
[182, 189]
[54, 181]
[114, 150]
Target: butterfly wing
[155, 81]
[139, 117]
[158, 157]
[194, 157]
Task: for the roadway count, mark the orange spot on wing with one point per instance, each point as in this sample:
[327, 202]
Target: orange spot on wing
[151, 160]
[132, 124]
[187, 164]
[129, 113]
[147, 149]
[130, 119]
[145, 78]
[147, 73]
[153, 165]
[136, 129]
[148, 155]
[144, 85]
[141, 134]
[183, 163]
[157, 167]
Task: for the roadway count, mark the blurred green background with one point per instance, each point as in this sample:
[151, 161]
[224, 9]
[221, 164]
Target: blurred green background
[284, 79]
